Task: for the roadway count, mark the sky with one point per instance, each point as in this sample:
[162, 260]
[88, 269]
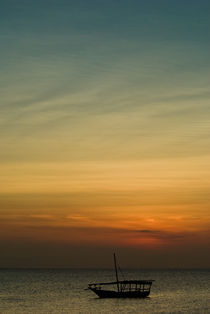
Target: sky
[104, 133]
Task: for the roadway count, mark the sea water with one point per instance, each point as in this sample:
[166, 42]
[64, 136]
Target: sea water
[63, 291]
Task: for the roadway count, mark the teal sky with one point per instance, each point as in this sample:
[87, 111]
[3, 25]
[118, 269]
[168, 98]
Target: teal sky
[104, 131]
[104, 74]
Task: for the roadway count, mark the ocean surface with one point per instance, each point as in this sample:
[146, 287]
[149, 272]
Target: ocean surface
[62, 291]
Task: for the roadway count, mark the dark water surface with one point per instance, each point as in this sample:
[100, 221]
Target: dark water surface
[62, 291]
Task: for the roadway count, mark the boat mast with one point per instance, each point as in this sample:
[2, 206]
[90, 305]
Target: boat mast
[115, 266]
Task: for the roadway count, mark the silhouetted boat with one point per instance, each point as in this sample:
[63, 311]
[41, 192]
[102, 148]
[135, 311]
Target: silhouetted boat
[122, 288]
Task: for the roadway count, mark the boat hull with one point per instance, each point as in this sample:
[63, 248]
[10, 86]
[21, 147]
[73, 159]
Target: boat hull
[121, 294]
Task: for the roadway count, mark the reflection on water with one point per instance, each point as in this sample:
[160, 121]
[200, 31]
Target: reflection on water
[62, 291]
